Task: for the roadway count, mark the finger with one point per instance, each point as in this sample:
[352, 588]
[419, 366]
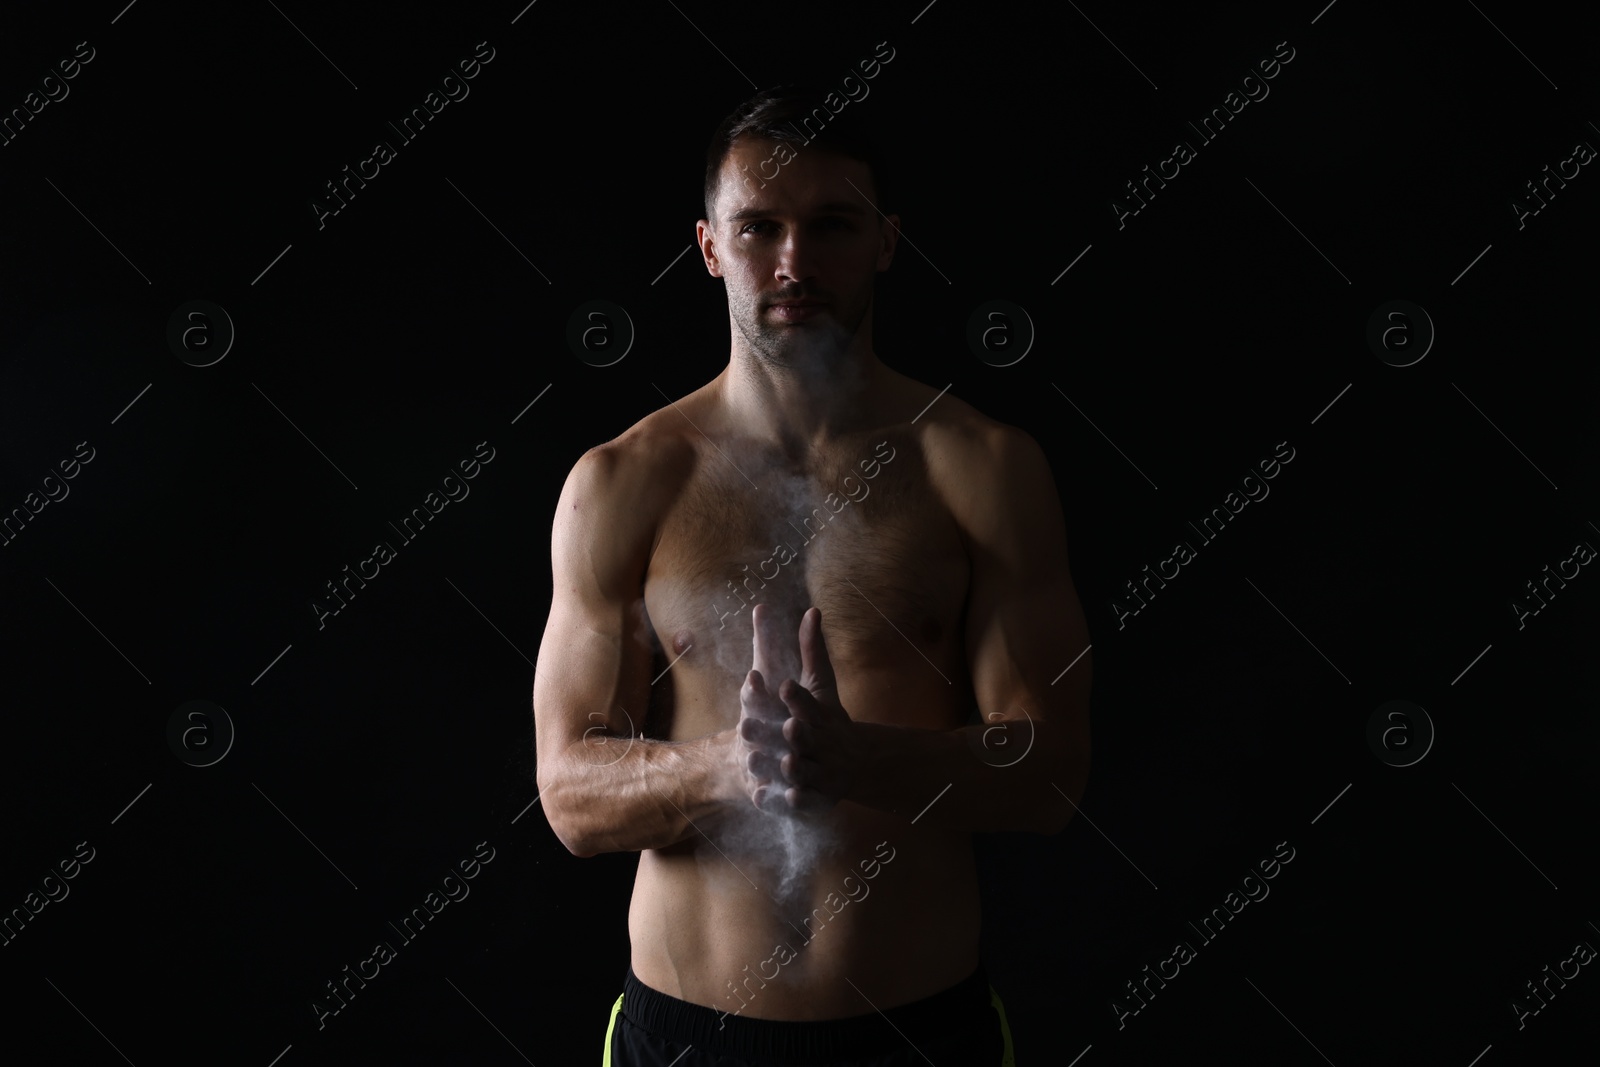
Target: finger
[801, 772]
[766, 768]
[766, 639]
[758, 648]
[763, 735]
[798, 736]
[800, 799]
[756, 698]
[817, 669]
[799, 703]
[771, 798]
[780, 651]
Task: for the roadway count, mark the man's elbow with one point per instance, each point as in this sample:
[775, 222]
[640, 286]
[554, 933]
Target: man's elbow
[1056, 823]
[569, 829]
[578, 846]
[1060, 814]
[1064, 794]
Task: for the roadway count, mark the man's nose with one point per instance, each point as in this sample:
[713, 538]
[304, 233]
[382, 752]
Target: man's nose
[796, 258]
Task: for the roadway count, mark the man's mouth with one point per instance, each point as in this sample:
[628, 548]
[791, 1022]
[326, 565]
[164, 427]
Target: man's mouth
[798, 310]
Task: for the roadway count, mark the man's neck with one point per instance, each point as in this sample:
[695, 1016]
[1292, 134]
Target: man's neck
[799, 409]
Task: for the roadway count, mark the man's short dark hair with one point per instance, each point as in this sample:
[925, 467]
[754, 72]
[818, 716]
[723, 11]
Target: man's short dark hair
[795, 115]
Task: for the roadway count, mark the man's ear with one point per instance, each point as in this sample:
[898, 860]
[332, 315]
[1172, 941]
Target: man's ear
[705, 237]
[890, 232]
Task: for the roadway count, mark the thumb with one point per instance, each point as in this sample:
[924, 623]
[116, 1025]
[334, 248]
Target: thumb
[818, 668]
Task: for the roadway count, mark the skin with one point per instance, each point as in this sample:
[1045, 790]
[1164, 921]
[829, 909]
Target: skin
[869, 695]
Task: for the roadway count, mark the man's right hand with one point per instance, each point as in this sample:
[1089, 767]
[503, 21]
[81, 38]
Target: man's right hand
[759, 744]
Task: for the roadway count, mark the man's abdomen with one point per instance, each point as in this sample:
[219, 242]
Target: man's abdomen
[886, 914]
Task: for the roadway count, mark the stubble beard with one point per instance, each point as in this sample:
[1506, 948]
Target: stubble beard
[817, 346]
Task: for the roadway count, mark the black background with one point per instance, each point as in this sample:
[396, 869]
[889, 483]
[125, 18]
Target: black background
[1222, 319]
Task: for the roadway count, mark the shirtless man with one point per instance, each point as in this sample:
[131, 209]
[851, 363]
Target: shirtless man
[807, 627]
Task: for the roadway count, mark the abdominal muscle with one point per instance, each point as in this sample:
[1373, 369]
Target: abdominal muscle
[886, 915]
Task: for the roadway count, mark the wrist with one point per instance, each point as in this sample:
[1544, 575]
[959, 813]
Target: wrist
[726, 785]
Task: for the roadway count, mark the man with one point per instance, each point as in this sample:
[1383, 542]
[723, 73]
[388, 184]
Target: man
[780, 603]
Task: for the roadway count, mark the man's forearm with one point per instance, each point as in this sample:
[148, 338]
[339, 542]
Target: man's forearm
[620, 794]
[991, 786]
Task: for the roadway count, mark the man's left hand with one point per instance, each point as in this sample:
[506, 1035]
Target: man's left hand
[826, 752]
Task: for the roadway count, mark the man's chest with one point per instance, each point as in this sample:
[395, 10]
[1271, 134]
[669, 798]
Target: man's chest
[862, 534]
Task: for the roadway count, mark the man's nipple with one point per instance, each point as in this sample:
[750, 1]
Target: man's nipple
[682, 641]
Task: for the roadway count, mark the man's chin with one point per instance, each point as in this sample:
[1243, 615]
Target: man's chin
[810, 344]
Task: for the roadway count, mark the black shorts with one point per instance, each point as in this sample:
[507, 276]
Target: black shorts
[964, 1024]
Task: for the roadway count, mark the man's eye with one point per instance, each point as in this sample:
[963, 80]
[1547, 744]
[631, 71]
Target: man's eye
[750, 226]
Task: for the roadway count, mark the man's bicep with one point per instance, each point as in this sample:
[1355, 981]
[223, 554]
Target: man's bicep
[1025, 624]
[593, 671]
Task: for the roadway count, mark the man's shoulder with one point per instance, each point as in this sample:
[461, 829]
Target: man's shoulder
[976, 463]
[652, 444]
[638, 472]
[961, 443]
[661, 440]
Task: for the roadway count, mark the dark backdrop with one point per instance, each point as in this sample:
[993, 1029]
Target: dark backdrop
[372, 353]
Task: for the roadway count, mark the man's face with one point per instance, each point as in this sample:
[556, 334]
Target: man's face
[798, 244]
